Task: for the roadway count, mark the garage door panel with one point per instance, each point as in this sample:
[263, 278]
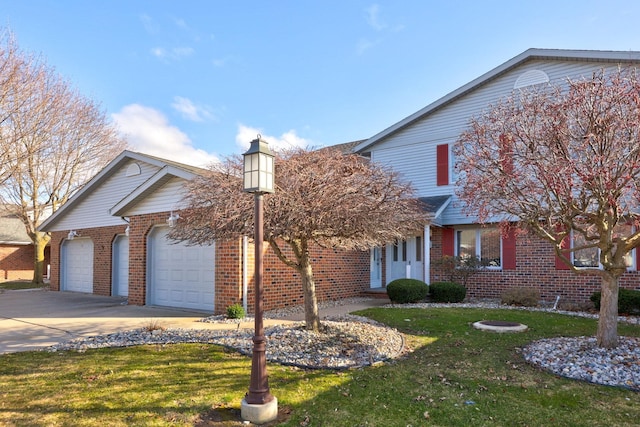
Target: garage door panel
[78, 265]
[180, 275]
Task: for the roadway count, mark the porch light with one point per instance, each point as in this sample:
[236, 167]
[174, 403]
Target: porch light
[72, 235]
[173, 219]
[126, 231]
[258, 168]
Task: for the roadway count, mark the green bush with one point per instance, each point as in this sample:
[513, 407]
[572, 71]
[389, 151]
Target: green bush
[447, 292]
[525, 297]
[235, 311]
[403, 291]
[628, 301]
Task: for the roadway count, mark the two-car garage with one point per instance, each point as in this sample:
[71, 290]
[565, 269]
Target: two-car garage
[178, 275]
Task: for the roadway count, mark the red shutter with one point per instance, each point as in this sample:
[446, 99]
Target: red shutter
[637, 258]
[442, 164]
[561, 265]
[447, 242]
[509, 251]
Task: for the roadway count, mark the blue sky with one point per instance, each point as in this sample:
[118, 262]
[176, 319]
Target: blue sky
[196, 80]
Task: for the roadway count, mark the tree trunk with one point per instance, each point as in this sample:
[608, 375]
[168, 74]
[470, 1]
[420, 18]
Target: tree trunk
[311, 316]
[39, 244]
[608, 323]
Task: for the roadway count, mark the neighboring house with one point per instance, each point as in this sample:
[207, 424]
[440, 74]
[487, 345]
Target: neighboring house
[110, 239]
[17, 255]
[419, 147]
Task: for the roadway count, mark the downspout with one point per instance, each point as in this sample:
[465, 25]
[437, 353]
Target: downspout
[245, 273]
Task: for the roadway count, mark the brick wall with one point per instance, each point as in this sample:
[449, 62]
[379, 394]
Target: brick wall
[338, 274]
[16, 262]
[535, 267]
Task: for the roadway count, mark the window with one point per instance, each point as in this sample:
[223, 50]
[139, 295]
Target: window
[590, 257]
[482, 243]
[418, 248]
[400, 251]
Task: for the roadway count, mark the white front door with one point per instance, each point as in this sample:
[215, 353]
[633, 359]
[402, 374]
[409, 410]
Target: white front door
[120, 285]
[405, 259]
[375, 279]
[77, 265]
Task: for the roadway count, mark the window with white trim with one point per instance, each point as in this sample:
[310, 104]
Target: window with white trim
[482, 243]
[590, 257]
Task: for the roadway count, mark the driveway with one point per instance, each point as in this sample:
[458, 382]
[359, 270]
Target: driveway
[35, 319]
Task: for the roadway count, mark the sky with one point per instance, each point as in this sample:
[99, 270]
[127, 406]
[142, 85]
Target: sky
[195, 81]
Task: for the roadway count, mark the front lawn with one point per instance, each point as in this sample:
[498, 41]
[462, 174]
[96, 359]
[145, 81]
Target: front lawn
[20, 284]
[455, 375]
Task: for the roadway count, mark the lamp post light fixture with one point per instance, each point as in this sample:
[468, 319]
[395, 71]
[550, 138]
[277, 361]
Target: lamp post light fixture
[259, 406]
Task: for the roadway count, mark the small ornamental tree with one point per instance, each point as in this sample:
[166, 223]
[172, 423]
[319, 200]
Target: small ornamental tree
[563, 162]
[323, 197]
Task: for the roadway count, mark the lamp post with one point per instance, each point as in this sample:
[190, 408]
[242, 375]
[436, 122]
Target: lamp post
[259, 406]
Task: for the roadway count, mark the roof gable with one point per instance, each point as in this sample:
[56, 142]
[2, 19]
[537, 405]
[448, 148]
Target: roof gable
[95, 192]
[529, 55]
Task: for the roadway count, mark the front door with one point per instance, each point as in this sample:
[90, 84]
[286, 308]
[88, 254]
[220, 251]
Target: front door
[405, 259]
[375, 278]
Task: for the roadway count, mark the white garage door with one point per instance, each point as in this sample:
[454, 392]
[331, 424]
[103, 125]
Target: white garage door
[180, 275]
[77, 265]
[120, 274]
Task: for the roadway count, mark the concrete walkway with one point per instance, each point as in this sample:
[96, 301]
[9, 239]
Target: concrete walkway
[35, 319]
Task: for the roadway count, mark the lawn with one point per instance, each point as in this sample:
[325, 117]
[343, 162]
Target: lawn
[455, 376]
[19, 284]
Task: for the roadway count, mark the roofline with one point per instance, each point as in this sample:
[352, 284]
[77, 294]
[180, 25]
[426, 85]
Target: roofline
[529, 54]
[105, 173]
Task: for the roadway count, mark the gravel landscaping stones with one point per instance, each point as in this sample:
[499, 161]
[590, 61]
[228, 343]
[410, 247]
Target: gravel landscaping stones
[343, 343]
[352, 341]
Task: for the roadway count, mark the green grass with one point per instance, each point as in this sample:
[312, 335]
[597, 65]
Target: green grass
[451, 365]
[20, 284]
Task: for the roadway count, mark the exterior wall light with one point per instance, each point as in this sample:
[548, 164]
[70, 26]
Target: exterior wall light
[173, 219]
[72, 235]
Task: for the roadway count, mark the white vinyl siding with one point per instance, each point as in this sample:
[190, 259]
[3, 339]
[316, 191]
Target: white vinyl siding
[411, 151]
[164, 199]
[93, 211]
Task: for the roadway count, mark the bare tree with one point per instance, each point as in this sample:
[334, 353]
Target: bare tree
[322, 197]
[52, 138]
[564, 162]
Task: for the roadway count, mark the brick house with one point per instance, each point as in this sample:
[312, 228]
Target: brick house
[17, 254]
[110, 239]
[419, 146]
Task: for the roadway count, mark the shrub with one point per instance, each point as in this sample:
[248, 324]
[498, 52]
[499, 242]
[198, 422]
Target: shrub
[235, 311]
[526, 297]
[403, 291]
[447, 292]
[628, 301]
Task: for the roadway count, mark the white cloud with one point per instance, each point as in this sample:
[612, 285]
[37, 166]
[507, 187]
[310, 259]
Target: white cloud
[149, 24]
[373, 18]
[191, 111]
[173, 54]
[289, 139]
[148, 131]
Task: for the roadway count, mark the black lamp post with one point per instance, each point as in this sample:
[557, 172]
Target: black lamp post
[259, 406]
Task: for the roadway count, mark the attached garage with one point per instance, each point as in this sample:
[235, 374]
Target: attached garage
[77, 265]
[179, 275]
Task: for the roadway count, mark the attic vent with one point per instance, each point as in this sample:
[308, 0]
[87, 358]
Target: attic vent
[133, 169]
[530, 78]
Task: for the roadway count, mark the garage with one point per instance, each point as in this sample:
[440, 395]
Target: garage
[77, 265]
[180, 275]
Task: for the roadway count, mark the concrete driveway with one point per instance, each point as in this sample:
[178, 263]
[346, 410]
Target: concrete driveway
[35, 319]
